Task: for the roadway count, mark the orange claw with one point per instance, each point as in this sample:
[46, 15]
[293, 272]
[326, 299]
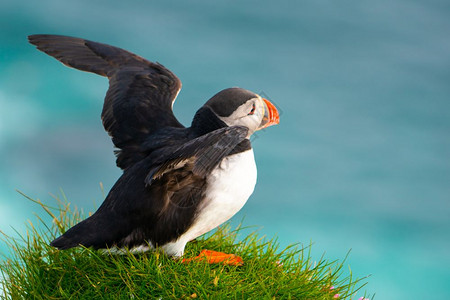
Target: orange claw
[214, 257]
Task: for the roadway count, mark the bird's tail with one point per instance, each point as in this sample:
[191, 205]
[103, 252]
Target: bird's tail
[63, 243]
[92, 232]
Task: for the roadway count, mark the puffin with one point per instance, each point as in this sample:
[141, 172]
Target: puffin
[178, 182]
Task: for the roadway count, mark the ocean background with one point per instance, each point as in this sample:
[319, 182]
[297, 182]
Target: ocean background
[360, 160]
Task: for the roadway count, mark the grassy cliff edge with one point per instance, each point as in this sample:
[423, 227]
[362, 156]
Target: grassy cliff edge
[33, 269]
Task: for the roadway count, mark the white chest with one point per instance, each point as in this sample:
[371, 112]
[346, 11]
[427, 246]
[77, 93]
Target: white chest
[229, 186]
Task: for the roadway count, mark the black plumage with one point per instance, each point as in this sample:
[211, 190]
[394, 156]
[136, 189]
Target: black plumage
[165, 164]
[140, 95]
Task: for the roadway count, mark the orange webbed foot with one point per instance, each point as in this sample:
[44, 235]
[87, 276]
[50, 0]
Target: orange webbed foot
[214, 257]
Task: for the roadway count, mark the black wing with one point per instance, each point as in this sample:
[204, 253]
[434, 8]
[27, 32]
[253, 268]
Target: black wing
[204, 152]
[164, 206]
[140, 95]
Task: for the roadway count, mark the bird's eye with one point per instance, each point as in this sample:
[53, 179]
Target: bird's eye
[253, 110]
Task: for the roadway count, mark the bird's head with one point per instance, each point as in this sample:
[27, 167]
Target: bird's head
[236, 106]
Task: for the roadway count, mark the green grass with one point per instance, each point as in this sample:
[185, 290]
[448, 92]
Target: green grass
[34, 270]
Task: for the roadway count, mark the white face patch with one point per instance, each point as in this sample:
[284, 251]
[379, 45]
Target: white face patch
[249, 114]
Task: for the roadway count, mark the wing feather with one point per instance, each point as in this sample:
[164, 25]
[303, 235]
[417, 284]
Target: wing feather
[140, 95]
[206, 152]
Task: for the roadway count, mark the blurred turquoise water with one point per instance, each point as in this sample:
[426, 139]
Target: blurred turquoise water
[361, 158]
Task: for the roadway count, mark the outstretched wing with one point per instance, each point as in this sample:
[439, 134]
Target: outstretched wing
[140, 95]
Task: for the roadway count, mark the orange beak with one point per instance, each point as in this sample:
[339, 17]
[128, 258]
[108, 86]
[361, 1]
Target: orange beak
[271, 116]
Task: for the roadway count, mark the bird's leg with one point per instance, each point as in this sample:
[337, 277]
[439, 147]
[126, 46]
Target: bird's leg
[214, 257]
